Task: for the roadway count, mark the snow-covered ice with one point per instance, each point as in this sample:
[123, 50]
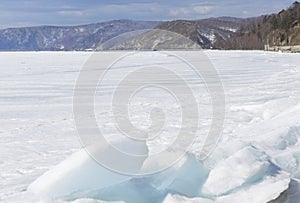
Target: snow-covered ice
[257, 159]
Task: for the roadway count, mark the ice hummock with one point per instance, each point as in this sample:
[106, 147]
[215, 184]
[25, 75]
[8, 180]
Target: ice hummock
[248, 171]
[81, 176]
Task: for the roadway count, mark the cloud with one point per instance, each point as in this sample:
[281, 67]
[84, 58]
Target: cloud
[70, 13]
[154, 11]
[122, 9]
[192, 11]
[203, 9]
[179, 11]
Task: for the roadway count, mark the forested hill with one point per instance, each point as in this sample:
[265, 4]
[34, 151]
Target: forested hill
[282, 29]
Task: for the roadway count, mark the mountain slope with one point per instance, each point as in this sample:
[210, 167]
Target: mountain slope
[67, 37]
[206, 32]
[282, 29]
[285, 27]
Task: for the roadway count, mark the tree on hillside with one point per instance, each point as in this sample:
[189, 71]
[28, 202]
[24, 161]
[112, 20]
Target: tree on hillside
[274, 22]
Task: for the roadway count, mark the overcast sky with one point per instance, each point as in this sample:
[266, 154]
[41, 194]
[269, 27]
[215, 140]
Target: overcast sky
[16, 13]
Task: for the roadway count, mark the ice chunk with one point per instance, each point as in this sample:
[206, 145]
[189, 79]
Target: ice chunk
[268, 189]
[180, 199]
[81, 177]
[77, 174]
[291, 195]
[89, 201]
[245, 165]
[289, 161]
[289, 139]
[185, 178]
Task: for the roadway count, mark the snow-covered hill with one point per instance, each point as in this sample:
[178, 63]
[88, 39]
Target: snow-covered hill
[207, 32]
[87, 37]
[53, 38]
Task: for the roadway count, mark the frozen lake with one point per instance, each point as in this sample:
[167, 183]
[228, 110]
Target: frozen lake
[258, 153]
